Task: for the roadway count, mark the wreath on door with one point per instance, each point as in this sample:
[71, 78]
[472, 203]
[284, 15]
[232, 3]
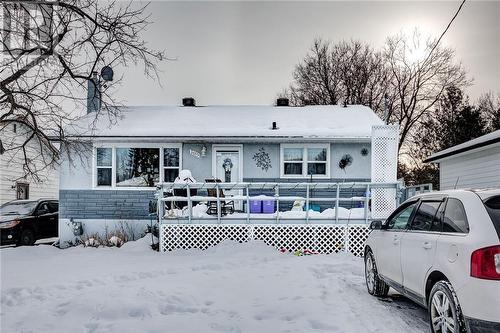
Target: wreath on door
[227, 165]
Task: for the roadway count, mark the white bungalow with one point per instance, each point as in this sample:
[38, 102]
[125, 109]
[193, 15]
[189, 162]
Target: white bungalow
[239, 145]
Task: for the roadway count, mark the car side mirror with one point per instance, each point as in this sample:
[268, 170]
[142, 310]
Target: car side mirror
[376, 225]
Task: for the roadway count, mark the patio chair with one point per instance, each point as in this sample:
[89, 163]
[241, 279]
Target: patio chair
[227, 207]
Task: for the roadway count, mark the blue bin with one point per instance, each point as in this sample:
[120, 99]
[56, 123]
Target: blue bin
[255, 206]
[268, 206]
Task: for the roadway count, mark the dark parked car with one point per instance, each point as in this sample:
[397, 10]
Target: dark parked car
[23, 222]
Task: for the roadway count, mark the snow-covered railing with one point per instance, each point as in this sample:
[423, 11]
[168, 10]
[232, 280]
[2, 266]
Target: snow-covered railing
[166, 193]
[302, 230]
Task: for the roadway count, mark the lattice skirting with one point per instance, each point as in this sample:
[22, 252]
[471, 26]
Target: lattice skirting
[314, 237]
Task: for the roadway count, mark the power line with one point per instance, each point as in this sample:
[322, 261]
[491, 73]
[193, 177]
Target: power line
[445, 30]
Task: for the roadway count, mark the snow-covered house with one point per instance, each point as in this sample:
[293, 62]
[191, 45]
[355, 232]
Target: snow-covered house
[472, 164]
[14, 181]
[148, 145]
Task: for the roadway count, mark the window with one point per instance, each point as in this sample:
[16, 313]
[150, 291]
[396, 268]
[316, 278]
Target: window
[455, 219]
[137, 167]
[293, 161]
[305, 160]
[42, 209]
[171, 164]
[316, 161]
[131, 166]
[493, 207]
[425, 216]
[104, 166]
[53, 206]
[400, 219]
[22, 191]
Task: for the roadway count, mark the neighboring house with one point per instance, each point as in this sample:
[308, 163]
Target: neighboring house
[13, 181]
[472, 164]
[122, 162]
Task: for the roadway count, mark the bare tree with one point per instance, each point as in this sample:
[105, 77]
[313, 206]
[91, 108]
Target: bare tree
[490, 108]
[411, 76]
[350, 72]
[418, 79]
[50, 50]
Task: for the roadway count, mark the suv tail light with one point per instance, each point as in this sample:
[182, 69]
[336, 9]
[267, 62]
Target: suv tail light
[485, 263]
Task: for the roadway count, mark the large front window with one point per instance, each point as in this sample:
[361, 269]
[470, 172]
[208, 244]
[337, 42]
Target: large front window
[304, 160]
[137, 167]
[124, 166]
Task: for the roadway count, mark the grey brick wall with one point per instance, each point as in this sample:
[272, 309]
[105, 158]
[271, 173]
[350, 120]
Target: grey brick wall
[104, 204]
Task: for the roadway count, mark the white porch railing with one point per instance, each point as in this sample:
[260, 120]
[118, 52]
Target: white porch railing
[307, 232]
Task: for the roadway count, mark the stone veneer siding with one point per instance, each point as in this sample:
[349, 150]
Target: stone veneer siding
[105, 204]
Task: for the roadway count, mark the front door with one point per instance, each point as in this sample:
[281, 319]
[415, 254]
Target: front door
[389, 243]
[227, 168]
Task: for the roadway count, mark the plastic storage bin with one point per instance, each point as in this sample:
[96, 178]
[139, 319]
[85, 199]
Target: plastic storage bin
[255, 206]
[268, 206]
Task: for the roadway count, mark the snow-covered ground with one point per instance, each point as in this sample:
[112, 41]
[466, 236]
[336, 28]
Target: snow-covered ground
[230, 288]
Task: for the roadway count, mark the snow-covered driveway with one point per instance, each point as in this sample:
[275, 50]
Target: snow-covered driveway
[230, 288]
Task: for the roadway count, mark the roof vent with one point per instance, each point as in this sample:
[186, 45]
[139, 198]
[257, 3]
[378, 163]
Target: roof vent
[282, 101]
[188, 101]
[275, 126]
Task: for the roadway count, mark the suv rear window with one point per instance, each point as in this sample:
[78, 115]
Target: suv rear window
[493, 207]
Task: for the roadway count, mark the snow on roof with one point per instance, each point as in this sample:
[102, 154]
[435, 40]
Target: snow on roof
[325, 121]
[485, 140]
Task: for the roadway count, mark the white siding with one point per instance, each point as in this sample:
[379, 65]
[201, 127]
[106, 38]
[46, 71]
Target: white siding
[473, 169]
[11, 170]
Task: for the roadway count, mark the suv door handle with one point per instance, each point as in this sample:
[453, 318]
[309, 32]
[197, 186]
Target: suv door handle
[395, 240]
[427, 245]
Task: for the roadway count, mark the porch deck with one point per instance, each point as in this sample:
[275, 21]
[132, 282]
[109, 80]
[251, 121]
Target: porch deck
[333, 229]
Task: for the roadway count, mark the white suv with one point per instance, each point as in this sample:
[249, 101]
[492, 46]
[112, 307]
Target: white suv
[442, 250]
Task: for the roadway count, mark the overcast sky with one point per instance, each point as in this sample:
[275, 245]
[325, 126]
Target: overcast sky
[245, 52]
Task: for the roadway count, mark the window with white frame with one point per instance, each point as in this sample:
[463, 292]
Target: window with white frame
[123, 166]
[171, 163]
[104, 163]
[305, 160]
[137, 167]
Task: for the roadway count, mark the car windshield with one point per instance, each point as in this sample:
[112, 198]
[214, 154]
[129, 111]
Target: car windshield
[17, 208]
[493, 207]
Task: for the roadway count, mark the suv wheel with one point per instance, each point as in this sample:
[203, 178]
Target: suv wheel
[444, 310]
[27, 238]
[375, 285]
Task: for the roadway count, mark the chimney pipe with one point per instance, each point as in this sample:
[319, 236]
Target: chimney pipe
[282, 101]
[93, 94]
[188, 101]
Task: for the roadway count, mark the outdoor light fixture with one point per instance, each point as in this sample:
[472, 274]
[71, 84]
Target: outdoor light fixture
[203, 151]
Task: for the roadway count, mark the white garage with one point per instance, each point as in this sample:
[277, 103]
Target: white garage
[472, 164]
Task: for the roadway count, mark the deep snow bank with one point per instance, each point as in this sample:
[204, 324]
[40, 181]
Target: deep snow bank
[229, 288]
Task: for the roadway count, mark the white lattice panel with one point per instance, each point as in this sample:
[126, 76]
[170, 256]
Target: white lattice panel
[356, 239]
[200, 236]
[319, 238]
[384, 164]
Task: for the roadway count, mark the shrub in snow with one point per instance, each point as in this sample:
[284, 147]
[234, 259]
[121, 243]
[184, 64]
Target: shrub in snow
[123, 233]
[92, 242]
[115, 241]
